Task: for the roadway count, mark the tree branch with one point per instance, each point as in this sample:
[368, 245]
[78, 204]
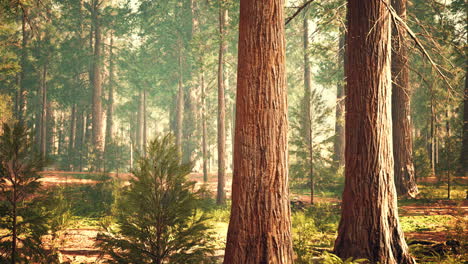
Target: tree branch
[298, 11]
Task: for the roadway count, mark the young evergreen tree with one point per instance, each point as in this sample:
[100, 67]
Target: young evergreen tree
[20, 213]
[157, 215]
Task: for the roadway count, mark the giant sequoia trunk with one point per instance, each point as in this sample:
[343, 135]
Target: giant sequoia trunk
[401, 112]
[339, 143]
[221, 195]
[259, 228]
[97, 84]
[369, 226]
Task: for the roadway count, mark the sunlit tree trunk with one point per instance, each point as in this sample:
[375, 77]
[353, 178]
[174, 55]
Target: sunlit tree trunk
[369, 226]
[204, 130]
[260, 228]
[307, 111]
[339, 144]
[110, 98]
[401, 111]
[98, 143]
[221, 195]
[180, 105]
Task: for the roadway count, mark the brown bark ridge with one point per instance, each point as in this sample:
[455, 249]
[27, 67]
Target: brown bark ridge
[221, 194]
[401, 111]
[260, 227]
[98, 142]
[339, 143]
[307, 122]
[369, 226]
[464, 152]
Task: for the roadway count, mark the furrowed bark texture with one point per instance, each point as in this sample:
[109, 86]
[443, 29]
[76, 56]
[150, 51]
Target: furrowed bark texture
[369, 226]
[259, 228]
[401, 111]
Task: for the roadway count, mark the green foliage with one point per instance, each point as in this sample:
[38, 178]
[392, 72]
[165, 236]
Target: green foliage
[314, 230]
[157, 216]
[329, 258]
[21, 213]
[94, 200]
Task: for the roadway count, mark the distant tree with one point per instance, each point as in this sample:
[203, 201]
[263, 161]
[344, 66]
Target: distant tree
[259, 227]
[369, 226]
[405, 181]
[157, 215]
[223, 16]
[20, 213]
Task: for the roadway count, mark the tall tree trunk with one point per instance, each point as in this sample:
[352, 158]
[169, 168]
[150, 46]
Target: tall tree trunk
[204, 130]
[339, 144]
[464, 151]
[43, 122]
[110, 98]
[307, 122]
[73, 136]
[97, 84]
[432, 143]
[448, 149]
[369, 226]
[140, 122]
[260, 227]
[51, 129]
[180, 106]
[144, 122]
[401, 111]
[221, 195]
[24, 56]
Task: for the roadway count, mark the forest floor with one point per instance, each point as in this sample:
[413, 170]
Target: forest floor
[430, 217]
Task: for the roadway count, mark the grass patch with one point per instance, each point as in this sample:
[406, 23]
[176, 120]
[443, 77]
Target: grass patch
[422, 223]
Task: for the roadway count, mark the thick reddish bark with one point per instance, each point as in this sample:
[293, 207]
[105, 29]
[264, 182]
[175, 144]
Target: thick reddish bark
[369, 226]
[260, 228]
[221, 195]
[401, 111]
